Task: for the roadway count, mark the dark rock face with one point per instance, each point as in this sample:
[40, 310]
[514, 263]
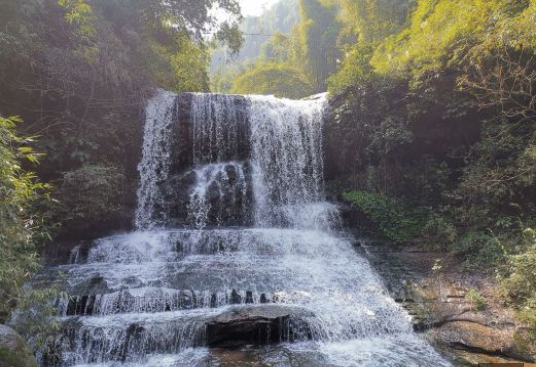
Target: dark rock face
[236, 142]
[342, 138]
[228, 196]
[256, 325]
[207, 131]
[14, 352]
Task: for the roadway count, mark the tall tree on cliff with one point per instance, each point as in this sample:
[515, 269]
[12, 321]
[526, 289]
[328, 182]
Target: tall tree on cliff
[318, 33]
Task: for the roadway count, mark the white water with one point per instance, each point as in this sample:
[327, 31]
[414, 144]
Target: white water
[217, 177]
[154, 167]
[151, 292]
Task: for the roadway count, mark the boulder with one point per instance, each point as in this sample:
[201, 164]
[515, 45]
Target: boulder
[476, 337]
[258, 326]
[14, 351]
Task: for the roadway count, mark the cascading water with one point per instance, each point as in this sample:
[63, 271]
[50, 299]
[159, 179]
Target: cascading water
[156, 147]
[232, 221]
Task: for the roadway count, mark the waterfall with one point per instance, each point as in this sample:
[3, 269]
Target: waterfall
[287, 160]
[154, 167]
[232, 220]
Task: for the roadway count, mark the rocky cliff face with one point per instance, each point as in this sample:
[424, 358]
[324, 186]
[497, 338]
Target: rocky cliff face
[196, 157]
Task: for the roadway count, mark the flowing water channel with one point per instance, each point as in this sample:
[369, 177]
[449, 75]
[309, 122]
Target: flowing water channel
[232, 226]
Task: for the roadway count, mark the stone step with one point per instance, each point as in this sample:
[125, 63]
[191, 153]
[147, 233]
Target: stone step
[153, 300]
[174, 245]
[129, 337]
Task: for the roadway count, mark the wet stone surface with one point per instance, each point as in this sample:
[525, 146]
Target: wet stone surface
[258, 326]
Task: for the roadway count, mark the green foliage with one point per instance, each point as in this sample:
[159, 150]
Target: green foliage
[279, 49]
[90, 194]
[395, 219]
[84, 69]
[443, 32]
[308, 54]
[19, 224]
[475, 298]
[35, 318]
[374, 20]
[479, 248]
[527, 314]
[190, 66]
[279, 80]
[521, 280]
[439, 233]
[355, 69]
[278, 19]
[222, 81]
[518, 281]
[318, 33]
[438, 108]
[80, 15]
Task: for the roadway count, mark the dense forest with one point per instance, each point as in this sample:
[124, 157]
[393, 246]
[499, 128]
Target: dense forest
[432, 134]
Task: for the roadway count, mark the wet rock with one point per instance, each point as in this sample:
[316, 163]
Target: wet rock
[227, 197]
[256, 325]
[236, 299]
[188, 300]
[237, 144]
[477, 337]
[83, 305]
[14, 351]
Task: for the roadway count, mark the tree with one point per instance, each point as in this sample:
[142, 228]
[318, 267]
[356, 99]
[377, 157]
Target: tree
[279, 80]
[19, 223]
[374, 20]
[318, 33]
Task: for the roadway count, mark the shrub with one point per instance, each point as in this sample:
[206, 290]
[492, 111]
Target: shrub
[395, 219]
[519, 282]
[20, 225]
[475, 298]
[279, 80]
[89, 195]
[439, 233]
[479, 248]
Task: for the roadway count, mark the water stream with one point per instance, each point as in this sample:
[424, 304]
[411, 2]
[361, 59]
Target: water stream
[238, 222]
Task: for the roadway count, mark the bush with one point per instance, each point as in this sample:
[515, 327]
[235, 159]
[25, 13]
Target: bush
[395, 219]
[479, 248]
[518, 282]
[527, 314]
[279, 80]
[89, 195]
[475, 298]
[439, 233]
[19, 224]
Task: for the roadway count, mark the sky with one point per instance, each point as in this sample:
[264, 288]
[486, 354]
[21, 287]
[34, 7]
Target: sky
[255, 7]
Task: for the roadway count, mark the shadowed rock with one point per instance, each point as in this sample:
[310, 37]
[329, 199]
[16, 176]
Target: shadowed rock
[14, 352]
[257, 326]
